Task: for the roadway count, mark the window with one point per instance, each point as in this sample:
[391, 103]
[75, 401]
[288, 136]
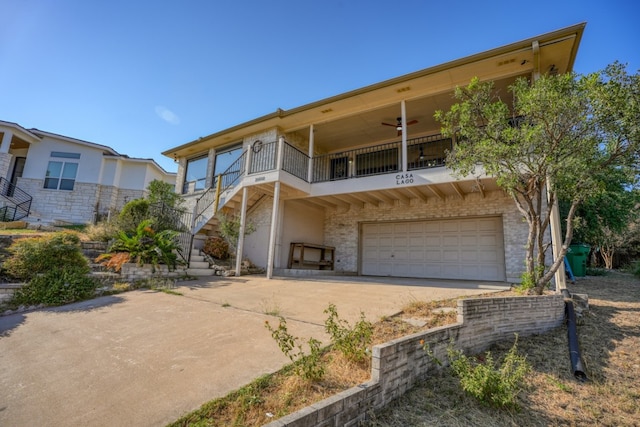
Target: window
[196, 174]
[61, 174]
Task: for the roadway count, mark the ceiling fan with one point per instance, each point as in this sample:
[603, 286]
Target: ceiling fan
[398, 124]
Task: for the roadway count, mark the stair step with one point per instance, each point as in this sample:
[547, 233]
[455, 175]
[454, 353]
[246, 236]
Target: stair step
[198, 264]
[196, 258]
[200, 272]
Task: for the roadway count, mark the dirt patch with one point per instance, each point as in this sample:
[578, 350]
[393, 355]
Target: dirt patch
[609, 334]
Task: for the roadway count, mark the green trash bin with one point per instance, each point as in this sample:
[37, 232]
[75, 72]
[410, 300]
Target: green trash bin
[577, 257]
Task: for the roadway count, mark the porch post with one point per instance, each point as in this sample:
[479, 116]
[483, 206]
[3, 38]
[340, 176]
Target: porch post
[272, 233]
[6, 141]
[280, 154]
[5, 157]
[556, 240]
[247, 166]
[554, 215]
[403, 110]
[211, 161]
[311, 148]
[243, 221]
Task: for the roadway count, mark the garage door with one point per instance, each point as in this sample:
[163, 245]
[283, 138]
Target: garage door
[470, 248]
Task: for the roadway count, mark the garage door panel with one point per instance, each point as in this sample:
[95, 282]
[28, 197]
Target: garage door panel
[469, 256]
[457, 249]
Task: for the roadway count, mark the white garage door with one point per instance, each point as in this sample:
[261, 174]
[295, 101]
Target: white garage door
[470, 248]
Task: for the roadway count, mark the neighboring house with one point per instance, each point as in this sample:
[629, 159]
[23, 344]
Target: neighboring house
[365, 172]
[51, 178]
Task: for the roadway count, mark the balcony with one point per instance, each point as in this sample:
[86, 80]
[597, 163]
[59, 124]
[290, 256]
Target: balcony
[422, 153]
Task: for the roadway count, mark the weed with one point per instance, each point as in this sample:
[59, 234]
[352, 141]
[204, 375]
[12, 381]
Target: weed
[491, 385]
[308, 366]
[121, 286]
[556, 382]
[271, 308]
[226, 304]
[352, 341]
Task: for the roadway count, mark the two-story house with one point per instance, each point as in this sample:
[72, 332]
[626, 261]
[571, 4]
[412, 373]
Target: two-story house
[49, 178]
[364, 172]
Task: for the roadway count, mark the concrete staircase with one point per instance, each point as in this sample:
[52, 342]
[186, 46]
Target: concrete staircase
[198, 265]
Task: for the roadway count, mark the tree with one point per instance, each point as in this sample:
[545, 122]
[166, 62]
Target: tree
[555, 140]
[163, 192]
[605, 220]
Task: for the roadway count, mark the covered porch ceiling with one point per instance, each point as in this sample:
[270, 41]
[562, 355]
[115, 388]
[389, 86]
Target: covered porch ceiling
[366, 127]
[393, 196]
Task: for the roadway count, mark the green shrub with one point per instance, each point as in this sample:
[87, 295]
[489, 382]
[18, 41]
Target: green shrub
[216, 247]
[352, 341]
[132, 214]
[491, 385]
[31, 256]
[56, 287]
[146, 246]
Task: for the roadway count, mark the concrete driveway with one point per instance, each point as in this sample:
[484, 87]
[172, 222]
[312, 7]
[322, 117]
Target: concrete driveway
[145, 358]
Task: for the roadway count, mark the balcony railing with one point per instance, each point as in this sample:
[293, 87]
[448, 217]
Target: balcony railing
[423, 152]
[427, 152]
[295, 162]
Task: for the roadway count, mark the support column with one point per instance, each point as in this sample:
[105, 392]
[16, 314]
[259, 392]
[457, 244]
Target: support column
[554, 215]
[6, 141]
[403, 110]
[243, 222]
[311, 149]
[280, 153]
[273, 232]
[5, 157]
[556, 241]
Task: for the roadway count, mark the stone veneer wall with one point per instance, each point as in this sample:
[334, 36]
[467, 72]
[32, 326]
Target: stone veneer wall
[399, 364]
[342, 227]
[133, 272]
[77, 206]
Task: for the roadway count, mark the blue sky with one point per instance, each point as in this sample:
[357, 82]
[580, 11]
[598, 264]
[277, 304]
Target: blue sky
[144, 76]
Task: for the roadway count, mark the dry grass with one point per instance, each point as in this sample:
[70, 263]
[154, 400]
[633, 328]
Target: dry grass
[609, 336]
[610, 339]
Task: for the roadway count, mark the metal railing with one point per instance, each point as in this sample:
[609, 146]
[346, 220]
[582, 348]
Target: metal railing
[263, 157]
[374, 160]
[295, 162]
[232, 175]
[427, 152]
[19, 199]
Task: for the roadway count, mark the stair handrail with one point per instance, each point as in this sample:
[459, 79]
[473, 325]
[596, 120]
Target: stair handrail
[223, 182]
[16, 196]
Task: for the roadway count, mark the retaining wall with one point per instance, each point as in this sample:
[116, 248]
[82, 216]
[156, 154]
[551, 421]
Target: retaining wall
[399, 364]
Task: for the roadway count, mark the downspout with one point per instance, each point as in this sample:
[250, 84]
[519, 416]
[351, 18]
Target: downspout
[572, 335]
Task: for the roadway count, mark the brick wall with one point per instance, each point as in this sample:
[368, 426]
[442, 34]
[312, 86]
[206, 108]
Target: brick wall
[399, 364]
[342, 226]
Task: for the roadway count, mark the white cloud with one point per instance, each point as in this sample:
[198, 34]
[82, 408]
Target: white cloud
[167, 115]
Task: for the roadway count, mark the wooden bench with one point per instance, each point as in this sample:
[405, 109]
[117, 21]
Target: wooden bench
[323, 259]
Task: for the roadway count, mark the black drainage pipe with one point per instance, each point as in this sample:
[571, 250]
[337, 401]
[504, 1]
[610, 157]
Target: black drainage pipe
[574, 348]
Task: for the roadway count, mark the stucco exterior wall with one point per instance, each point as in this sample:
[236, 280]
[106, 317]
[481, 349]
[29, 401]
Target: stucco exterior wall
[300, 223]
[89, 163]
